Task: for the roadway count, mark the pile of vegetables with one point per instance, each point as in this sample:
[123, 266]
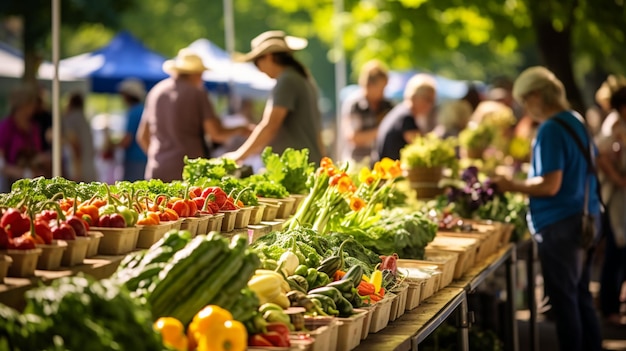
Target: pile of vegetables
[430, 151]
[74, 312]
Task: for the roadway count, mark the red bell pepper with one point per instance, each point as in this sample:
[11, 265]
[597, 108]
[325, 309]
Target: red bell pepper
[43, 231]
[14, 222]
[80, 225]
[5, 239]
[258, 340]
[22, 242]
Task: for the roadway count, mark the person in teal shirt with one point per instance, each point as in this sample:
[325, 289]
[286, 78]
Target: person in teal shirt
[556, 184]
[133, 92]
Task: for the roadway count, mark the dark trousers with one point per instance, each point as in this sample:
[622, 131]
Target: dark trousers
[613, 271]
[565, 270]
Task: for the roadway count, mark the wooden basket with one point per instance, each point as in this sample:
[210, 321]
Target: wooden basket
[256, 214]
[243, 217]
[215, 222]
[24, 262]
[76, 251]
[117, 241]
[466, 248]
[425, 181]
[446, 261]
[5, 263]
[92, 249]
[150, 234]
[51, 255]
[203, 223]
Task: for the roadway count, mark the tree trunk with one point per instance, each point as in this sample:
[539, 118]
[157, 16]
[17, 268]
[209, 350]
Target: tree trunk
[31, 35]
[555, 49]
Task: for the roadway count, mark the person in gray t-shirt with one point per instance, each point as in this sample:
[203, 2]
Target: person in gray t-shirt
[292, 118]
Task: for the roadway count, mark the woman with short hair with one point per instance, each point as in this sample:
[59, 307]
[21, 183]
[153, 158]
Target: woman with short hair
[559, 180]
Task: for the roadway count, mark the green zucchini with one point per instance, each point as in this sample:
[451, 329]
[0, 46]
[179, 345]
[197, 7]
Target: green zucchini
[211, 286]
[183, 268]
[334, 263]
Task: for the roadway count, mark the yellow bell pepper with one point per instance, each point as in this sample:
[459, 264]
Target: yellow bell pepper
[213, 329]
[377, 280]
[173, 333]
[231, 336]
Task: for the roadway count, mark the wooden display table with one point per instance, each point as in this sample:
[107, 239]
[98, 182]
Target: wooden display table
[408, 331]
[13, 289]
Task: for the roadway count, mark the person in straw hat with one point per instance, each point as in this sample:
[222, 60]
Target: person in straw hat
[177, 116]
[133, 93]
[292, 118]
[560, 185]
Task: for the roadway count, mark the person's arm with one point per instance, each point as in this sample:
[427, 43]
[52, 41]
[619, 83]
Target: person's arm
[214, 128]
[262, 134]
[143, 135]
[606, 166]
[542, 186]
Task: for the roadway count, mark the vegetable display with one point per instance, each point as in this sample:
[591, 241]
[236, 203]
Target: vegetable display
[76, 311]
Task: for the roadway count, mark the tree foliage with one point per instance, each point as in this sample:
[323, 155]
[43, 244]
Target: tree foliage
[479, 39]
[37, 22]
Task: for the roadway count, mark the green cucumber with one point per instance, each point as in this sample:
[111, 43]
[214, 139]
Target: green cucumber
[211, 286]
[229, 295]
[184, 266]
[148, 272]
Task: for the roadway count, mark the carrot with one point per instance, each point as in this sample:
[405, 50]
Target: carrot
[381, 292]
[338, 275]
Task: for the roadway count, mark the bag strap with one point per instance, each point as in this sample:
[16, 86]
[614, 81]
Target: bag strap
[589, 157]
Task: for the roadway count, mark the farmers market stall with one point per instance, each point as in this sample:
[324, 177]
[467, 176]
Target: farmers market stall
[294, 258]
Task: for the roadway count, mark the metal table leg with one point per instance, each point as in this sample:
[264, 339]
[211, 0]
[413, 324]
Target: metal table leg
[533, 331]
[463, 325]
[512, 341]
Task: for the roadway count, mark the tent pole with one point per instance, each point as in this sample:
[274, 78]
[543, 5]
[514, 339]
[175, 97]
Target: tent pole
[229, 37]
[340, 75]
[56, 111]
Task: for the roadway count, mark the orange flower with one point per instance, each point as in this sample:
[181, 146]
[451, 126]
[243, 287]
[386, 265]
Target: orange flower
[345, 184]
[387, 168]
[326, 162]
[356, 203]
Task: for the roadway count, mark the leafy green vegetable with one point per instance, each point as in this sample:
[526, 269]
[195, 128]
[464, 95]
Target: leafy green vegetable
[42, 189]
[430, 151]
[77, 311]
[404, 232]
[265, 188]
[202, 169]
[291, 169]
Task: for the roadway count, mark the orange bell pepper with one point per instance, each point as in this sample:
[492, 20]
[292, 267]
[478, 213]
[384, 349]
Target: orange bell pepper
[149, 218]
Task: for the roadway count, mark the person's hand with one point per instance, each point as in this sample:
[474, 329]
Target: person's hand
[502, 184]
[233, 155]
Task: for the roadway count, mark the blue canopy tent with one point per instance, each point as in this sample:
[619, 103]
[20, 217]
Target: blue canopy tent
[123, 57]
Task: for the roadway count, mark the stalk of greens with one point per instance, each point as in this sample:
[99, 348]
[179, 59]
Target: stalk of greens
[290, 169]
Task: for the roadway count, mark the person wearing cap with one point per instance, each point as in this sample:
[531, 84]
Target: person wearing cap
[408, 119]
[177, 116]
[133, 93]
[78, 141]
[559, 185]
[363, 111]
[21, 152]
[292, 118]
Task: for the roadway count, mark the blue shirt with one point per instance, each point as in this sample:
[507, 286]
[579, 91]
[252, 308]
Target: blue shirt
[134, 152]
[555, 149]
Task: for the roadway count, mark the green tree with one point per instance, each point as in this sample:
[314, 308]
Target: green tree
[36, 16]
[478, 40]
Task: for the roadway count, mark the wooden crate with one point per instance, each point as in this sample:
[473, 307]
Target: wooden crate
[466, 248]
[430, 284]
